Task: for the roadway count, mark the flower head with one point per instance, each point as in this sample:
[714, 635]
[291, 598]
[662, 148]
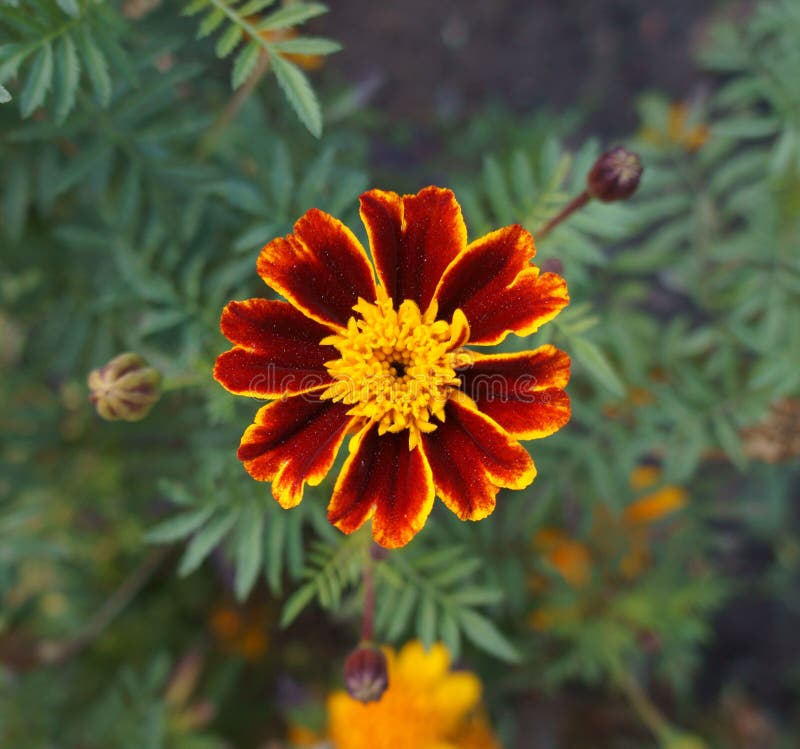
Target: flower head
[365, 673]
[387, 363]
[427, 706]
[126, 388]
[615, 175]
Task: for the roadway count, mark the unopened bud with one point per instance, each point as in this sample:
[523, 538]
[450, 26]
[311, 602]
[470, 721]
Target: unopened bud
[366, 674]
[615, 175]
[126, 388]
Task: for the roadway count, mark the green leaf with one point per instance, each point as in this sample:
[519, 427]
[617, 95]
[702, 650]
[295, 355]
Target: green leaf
[597, 365]
[96, 67]
[179, 526]
[299, 93]
[244, 64]
[4, 95]
[211, 22]
[253, 7]
[307, 45]
[38, 82]
[70, 7]
[228, 41]
[205, 541]
[274, 542]
[298, 601]
[426, 621]
[485, 636]
[291, 15]
[249, 546]
[68, 73]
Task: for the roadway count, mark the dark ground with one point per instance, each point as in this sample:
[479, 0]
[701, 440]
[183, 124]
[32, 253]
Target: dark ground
[449, 57]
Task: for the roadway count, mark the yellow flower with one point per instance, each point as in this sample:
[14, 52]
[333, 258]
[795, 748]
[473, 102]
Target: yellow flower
[427, 706]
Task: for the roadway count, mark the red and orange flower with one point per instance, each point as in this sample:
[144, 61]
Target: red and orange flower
[386, 363]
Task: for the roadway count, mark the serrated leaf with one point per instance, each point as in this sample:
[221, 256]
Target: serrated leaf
[485, 636]
[205, 541]
[249, 546]
[70, 7]
[228, 40]
[426, 621]
[38, 82]
[597, 365]
[253, 7]
[274, 542]
[450, 634]
[292, 15]
[68, 73]
[194, 7]
[307, 45]
[402, 613]
[179, 526]
[94, 62]
[296, 603]
[299, 93]
[211, 22]
[244, 64]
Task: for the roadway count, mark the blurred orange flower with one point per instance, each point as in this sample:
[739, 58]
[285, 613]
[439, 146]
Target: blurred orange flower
[681, 129]
[241, 630]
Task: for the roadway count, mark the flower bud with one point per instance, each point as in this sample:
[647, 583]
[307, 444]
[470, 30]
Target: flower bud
[126, 388]
[615, 175]
[365, 674]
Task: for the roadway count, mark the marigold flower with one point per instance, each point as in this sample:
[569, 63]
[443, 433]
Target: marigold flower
[124, 389]
[365, 673]
[386, 363]
[681, 129]
[615, 175]
[427, 706]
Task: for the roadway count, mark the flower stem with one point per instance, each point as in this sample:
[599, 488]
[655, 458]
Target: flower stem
[58, 651]
[644, 707]
[368, 616]
[235, 103]
[574, 205]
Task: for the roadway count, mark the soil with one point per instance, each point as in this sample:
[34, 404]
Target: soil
[447, 58]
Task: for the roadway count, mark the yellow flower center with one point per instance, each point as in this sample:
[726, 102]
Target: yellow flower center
[397, 366]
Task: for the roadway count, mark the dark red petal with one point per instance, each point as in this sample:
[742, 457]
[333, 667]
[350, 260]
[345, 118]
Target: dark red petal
[293, 442]
[413, 239]
[321, 269]
[382, 476]
[523, 393]
[497, 288]
[277, 351]
[472, 458]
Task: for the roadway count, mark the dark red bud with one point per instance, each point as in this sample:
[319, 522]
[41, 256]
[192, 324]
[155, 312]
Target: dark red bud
[365, 674]
[615, 175]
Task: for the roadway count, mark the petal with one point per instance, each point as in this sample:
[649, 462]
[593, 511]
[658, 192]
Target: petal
[293, 442]
[472, 458]
[522, 392]
[493, 282]
[413, 239]
[277, 350]
[321, 269]
[382, 476]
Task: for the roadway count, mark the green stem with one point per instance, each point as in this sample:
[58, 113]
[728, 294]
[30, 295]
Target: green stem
[644, 707]
[574, 205]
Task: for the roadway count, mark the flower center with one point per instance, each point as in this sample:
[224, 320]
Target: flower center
[397, 366]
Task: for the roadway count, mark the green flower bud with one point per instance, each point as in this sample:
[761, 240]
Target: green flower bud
[615, 175]
[366, 674]
[126, 388]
